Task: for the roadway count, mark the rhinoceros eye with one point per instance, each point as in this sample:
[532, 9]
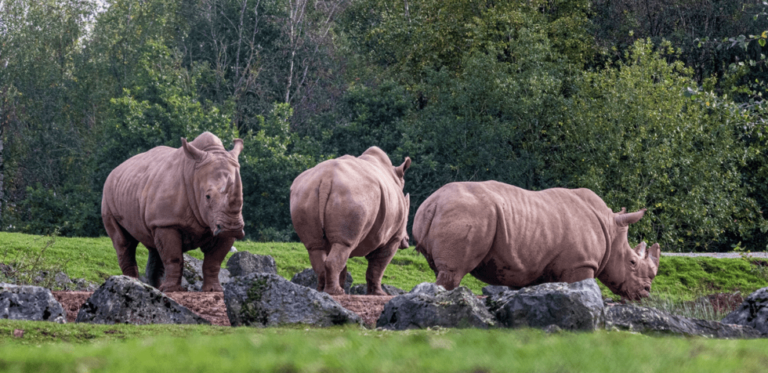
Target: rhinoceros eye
[633, 262]
[207, 196]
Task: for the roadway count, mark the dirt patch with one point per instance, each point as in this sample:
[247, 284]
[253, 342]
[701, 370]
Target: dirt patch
[368, 307]
[71, 301]
[209, 306]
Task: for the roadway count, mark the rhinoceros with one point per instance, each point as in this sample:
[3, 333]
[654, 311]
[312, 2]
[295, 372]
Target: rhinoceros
[348, 207]
[505, 235]
[172, 201]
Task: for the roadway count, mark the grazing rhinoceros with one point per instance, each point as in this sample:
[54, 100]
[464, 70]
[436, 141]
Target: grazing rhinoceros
[351, 207]
[505, 235]
[172, 201]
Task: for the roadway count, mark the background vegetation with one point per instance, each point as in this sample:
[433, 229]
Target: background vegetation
[655, 104]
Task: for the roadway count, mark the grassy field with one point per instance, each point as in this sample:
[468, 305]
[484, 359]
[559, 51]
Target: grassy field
[94, 348]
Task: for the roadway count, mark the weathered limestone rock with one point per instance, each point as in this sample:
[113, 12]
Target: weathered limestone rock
[361, 289]
[753, 312]
[192, 275]
[125, 300]
[263, 299]
[244, 263]
[29, 303]
[652, 321]
[576, 306]
[430, 305]
[495, 300]
[308, 278]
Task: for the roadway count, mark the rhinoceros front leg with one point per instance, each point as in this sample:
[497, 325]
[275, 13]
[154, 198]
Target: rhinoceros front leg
[212, 263]
[378, 260]
[168, 244]
[334, 264]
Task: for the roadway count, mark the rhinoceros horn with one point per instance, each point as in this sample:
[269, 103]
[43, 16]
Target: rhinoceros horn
[196, 154]
[624, 219]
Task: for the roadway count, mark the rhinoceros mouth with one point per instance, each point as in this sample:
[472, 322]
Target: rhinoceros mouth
[229, 227]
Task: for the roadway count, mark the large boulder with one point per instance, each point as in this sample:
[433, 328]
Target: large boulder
[192, 275]
[497, 299]
[575, 306]
[428, 306]
[244, 263]
[264, 299]
[362, 289]
[126, 300]
[652, 321]
[308, 278]
[753, 312]
[20, 302]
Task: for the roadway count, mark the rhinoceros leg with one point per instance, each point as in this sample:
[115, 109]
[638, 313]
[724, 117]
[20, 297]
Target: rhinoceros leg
[168, 243]
[212, 263]
[125, 246]
[378, 260]
[155, 269]
[317, 258]
[334, 264]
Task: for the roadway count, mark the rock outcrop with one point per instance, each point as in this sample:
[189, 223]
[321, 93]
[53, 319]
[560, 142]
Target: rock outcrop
[429, 305]
[244, 263]
[753, 312]
[262, 299]
[308, 278]
[575, 306]
[125, 300]
[655, 322]
[29, 303]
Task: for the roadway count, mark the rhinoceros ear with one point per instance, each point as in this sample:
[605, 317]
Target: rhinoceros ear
[655, 253]
[238, 146]
[408, 201]
[192, 152]
[624, 220]
[400, 170]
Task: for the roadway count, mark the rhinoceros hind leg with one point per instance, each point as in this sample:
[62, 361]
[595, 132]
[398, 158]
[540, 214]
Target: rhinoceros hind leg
[168, 243]
[317, 258]
[377, 263]
[124, 244]
[334, 264]
[212, 264]
[154, 270]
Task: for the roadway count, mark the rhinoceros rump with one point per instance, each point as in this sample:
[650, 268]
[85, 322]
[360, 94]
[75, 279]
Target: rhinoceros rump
[505, 235]
[351, 207]
[172, 201]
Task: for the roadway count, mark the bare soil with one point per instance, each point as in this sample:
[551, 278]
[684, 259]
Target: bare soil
[368, 307]
[210, 305]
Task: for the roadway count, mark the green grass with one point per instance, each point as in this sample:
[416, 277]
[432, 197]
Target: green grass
[196, 349]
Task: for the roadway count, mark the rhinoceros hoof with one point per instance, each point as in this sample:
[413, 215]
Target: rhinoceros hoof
[171, 288]
[334, 291]
[212, 287]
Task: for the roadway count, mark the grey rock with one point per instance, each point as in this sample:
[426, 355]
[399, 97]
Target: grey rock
[752, 312]
[427, 288]
[263, 299]
[244, 263]
[80, 284]
[494, 301]
[308, 278]
[232, 249]
[576, 306]
[126, 300]
[192, 276]
[362, 289]
[458, 308]
[655, 322]
[494, 290]
[29, 303]
[62, 280]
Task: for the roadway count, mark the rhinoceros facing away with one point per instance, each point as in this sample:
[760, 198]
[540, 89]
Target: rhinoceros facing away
[505, 235]
[172, 201]
[351, 207]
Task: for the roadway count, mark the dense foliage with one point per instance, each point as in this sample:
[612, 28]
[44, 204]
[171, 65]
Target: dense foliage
[653, 104]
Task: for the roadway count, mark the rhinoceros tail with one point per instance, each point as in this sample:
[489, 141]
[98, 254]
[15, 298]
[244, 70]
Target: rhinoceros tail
[322, 199]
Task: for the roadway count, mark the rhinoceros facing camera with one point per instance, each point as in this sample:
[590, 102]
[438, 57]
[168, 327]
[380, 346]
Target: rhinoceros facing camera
[505, 235]
[172, 201]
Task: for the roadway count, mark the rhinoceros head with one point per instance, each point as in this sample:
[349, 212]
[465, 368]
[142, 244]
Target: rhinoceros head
[217, 187]
[629, 272]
